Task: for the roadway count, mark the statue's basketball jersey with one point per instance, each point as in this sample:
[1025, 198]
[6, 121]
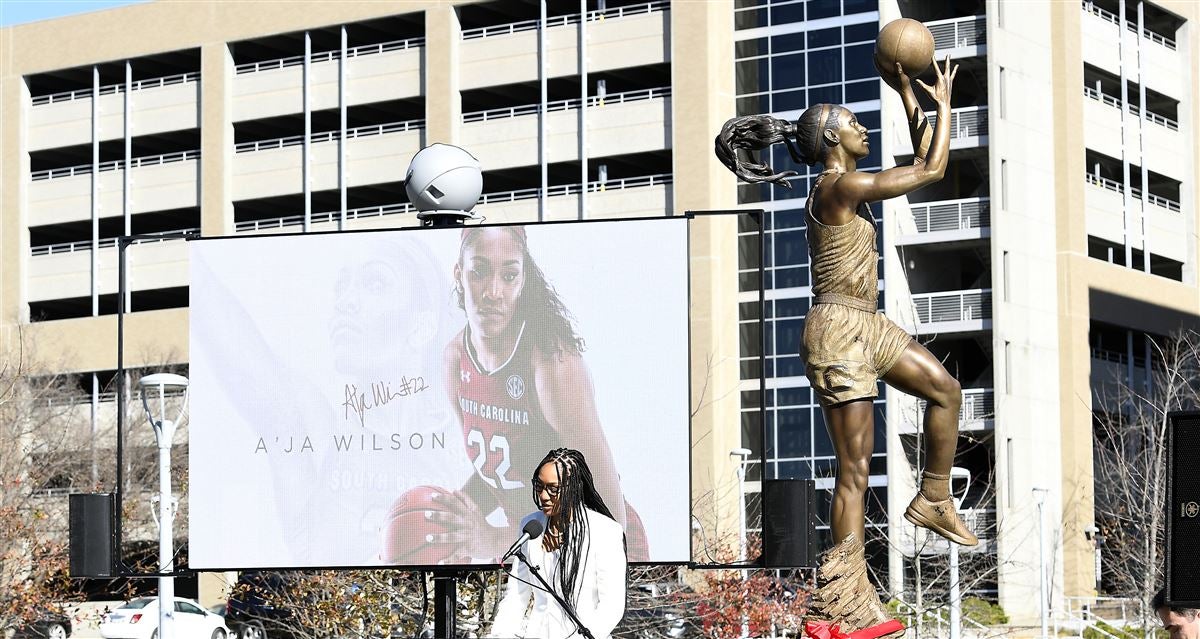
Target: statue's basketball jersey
[505, 432]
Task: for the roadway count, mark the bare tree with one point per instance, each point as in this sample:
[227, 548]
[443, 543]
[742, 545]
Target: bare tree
[39, 435]
[1129, 452]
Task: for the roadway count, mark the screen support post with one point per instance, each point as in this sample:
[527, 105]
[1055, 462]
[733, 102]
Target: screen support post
[445, 583]
[123, 243]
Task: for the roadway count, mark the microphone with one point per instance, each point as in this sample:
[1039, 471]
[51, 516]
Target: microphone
[535, 524]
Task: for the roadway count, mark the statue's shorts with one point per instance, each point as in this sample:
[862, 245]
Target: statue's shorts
[846, 350]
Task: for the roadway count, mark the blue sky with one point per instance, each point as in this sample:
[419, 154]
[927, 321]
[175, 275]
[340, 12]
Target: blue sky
[22, 11]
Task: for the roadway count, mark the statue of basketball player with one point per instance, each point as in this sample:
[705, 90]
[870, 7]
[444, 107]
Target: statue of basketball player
[847, 344]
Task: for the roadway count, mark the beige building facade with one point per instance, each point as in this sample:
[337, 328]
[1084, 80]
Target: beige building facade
[254, 118]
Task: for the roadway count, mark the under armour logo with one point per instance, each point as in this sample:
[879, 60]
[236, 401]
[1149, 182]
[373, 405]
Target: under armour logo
[465, 376]
[940, 510]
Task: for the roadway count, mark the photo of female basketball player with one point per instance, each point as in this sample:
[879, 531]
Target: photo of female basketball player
[517, 380]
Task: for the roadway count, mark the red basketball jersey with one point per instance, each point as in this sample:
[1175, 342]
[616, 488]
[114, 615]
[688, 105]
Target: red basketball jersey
[505, 432]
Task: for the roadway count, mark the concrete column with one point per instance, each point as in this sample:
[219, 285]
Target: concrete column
[216, 139]
[702, 100]
[443, 102]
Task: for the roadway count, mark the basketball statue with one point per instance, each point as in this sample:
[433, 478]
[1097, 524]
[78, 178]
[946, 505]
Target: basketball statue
[847, 344]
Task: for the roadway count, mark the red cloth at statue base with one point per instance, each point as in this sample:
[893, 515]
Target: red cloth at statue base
[830, 630]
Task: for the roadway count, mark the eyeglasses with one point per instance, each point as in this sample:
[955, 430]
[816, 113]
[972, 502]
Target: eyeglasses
[553, 491]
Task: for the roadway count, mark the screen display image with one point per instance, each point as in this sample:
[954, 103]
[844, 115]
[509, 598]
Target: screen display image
[383, 398]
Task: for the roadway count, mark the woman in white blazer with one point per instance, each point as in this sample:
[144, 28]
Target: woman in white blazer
[581, 555]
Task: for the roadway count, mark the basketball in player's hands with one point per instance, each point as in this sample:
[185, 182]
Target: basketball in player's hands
[411, 524]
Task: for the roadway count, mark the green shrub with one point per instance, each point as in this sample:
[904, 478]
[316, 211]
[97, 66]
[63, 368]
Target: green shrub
[983, 611]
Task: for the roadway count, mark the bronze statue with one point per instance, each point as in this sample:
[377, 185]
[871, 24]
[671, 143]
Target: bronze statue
[847, 344]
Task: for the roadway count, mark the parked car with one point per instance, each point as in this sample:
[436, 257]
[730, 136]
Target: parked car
[50, 624]
[249, 613]
[138, 619]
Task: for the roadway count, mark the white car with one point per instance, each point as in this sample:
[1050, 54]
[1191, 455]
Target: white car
[138, 619]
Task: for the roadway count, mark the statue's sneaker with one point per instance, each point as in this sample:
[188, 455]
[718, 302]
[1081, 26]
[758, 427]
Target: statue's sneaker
[942, 518]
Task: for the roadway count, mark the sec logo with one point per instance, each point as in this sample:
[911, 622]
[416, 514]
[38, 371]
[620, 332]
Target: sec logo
[515, 386]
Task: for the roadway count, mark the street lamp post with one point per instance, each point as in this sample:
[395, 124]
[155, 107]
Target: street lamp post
[742, 454]
[1039, 497]
[164, 431]
[955, 590]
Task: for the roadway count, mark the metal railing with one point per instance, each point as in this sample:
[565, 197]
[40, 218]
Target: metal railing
[965, 122]
[933, 617]
[84, 169]
[1109, 16]
[970, 31]
[322, 217]
[486, 198]
[329, 136]
[953, 306]
[570, 18]
[563, 105]
[148, 83]
[1162, 120]
[1113, 185]
[952, 215]
[86, 245]
[570, 189]
[325, 56]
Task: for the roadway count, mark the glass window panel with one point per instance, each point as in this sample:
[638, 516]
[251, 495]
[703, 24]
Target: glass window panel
[824, 468]
[793, 307]
[789, 366]
[825, 66]
[791, 248]
[739, 4]
[752, 434]
[787, 71]
[787, 336]
[789, 101]
[794, 396]
[750, 18]
[749, 281]
[794, 470]
[880, 432]
[749, 310]
[861, 91]
[862, 32]
[751, 399]
[822, 445]
[791, 218]
[869, 119]
[878, 465]
[752, 105]
[794, 432]
[750, 48]
[824, 37]
[850, 7]
[831, 94]
[823, 8]
[749, 251]
[791, 277]
[788, 13]
[751, 338]
[750, 368]
[787, 42]
[749, 222]
[750, 193]
[860, 62]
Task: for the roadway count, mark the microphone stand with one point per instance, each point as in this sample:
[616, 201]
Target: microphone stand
[566, 606]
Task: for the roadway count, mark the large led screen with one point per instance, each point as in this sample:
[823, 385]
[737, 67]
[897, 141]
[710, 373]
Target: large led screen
[383, 398]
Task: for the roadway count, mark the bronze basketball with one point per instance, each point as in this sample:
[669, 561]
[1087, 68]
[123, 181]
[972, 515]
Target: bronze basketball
[905, 41]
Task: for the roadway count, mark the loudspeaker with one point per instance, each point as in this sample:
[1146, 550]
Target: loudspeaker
[91, 521]
[1183, 510]
[789, 536]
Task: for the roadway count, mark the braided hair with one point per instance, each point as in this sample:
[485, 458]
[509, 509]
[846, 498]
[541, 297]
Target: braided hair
[577, 491]
[804, 141]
